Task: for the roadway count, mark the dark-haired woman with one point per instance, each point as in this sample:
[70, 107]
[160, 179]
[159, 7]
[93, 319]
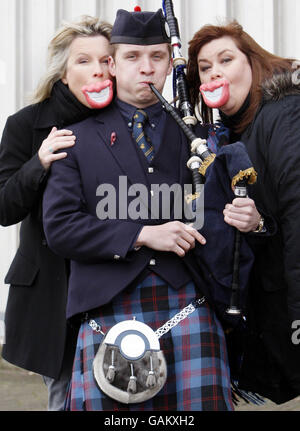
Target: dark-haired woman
[258, 98]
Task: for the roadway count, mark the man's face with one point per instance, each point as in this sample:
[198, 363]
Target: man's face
[135, 66]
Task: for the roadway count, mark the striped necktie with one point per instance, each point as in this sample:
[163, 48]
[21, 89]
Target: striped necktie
[139, 136]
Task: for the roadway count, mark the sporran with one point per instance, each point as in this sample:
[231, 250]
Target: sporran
[129, 365]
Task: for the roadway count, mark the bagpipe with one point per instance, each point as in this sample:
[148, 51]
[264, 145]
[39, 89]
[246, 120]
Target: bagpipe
[226, 259]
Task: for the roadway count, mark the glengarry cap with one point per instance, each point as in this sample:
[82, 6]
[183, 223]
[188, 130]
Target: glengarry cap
[140, 28]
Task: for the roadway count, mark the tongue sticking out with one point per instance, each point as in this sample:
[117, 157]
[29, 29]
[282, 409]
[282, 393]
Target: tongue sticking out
[98, 95]
[216, 93]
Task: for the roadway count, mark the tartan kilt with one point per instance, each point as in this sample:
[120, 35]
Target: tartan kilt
[198, 376]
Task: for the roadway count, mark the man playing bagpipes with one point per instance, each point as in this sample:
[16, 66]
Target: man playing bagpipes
[148, 338]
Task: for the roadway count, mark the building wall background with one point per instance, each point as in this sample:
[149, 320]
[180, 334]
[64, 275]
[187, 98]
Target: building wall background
[28, 25]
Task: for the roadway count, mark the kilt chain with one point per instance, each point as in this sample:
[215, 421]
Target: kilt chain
[169, 324]
[179, 317]
[95, 327]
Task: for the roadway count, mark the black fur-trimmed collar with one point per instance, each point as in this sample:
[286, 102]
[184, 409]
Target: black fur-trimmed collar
[281, 84]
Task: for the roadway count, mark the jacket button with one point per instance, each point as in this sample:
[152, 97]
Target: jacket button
[44, 242]
[152, 262]
[150, 170]
[116, 257]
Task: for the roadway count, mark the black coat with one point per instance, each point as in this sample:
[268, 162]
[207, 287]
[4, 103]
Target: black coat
[35, 318]
[271, 361]
[101, 254]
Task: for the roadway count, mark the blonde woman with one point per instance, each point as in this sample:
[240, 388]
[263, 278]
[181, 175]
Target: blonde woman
[37, 335]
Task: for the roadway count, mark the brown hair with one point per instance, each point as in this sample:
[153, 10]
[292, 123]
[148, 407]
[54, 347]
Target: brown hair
[262, 63]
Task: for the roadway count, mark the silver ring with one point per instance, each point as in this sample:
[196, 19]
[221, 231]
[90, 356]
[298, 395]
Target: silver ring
[50, 150]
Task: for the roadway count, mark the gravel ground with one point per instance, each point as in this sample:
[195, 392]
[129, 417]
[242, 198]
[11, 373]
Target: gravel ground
[21, 390]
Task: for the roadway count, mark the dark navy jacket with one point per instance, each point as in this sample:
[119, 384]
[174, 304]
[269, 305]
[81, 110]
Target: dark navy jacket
[103, 261]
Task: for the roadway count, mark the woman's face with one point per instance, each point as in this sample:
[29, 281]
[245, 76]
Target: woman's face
[221, 59]
[87, 64]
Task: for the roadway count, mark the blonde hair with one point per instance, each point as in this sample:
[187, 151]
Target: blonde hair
[59, 47]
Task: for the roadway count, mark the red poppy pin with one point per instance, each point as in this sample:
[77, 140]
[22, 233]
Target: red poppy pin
[113, 138]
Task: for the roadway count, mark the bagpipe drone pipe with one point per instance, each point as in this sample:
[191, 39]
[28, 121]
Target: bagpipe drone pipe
[226, 259]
